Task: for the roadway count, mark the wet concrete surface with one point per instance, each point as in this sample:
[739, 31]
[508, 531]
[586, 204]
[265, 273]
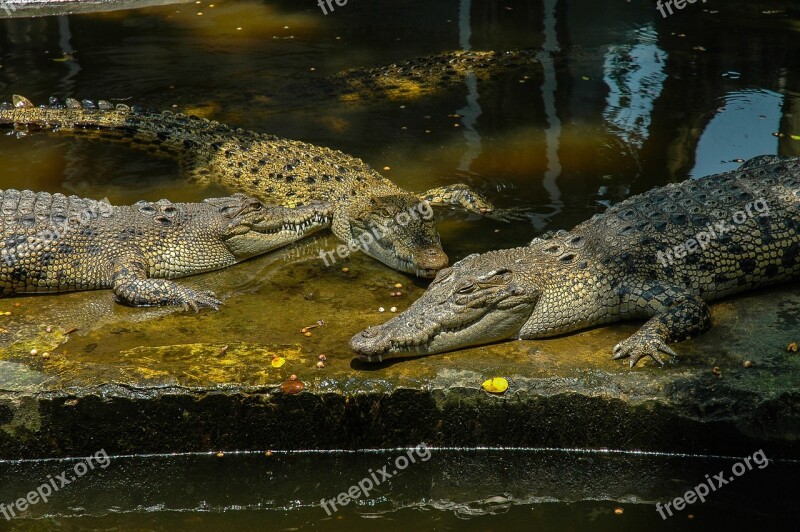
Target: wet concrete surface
[163, 380]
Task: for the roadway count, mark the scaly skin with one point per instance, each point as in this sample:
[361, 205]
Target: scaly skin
[273, 169]
[56, 243]
[422, 76]
[619, 265]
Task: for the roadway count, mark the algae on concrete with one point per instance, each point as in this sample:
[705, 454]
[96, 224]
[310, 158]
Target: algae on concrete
[162, 380]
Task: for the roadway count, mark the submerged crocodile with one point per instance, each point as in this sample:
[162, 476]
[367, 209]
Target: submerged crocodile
[365, 205]
[58, 243]
[659, 255]
[419, 76]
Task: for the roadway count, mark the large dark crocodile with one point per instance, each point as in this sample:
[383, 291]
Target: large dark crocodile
[369, 212]
[659, 255]
[58, 243]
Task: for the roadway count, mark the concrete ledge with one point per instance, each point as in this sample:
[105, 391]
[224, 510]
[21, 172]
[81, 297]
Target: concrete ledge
[130, 382]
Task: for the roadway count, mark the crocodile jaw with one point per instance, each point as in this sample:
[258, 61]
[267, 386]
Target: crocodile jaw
[376, 344]
[260, 238]
[481, 299]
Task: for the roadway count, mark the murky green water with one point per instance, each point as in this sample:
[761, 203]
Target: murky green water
[488, 489]
[625, 101]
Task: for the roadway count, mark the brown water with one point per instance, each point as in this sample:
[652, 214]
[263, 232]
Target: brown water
[626, 101]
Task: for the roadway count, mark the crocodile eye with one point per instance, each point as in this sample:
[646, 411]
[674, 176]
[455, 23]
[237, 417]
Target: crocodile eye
[466, 289]
[501, 274]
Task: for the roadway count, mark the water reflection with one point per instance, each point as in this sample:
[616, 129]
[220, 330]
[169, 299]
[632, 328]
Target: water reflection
[723, 136]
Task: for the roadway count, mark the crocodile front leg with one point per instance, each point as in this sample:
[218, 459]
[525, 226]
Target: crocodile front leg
[132, 287]
[676, 315]
[460, 195]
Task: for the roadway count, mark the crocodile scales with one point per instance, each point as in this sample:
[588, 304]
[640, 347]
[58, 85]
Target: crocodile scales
[58, 243]
[273, 169]
[660, 255]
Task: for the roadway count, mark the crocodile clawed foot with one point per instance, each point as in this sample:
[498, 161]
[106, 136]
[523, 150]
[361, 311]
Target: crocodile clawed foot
[203, 299]
[641, 345]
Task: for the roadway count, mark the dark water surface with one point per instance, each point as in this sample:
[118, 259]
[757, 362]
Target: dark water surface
[626, 101]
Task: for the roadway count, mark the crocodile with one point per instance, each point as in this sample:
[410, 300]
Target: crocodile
[57, 243]
[417, 77]
[661, 256]
[366, 207]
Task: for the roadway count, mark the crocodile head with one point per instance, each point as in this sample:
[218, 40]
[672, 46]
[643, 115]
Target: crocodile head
[480, 299]
[253, 228]
[397, 229]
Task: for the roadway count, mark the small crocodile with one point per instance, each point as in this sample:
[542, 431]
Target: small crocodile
[420, 76]
[58, 243]
[366, 206]
[659, 255]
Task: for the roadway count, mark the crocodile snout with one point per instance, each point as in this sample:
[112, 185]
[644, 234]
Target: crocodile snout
[369, 343]
[432, 258]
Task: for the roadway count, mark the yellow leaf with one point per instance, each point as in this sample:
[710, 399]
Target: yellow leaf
[792, 347]
[795, 137]
[278, 362]
[496, 385]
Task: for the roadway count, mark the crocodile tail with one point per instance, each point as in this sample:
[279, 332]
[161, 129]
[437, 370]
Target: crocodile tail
[173, 133]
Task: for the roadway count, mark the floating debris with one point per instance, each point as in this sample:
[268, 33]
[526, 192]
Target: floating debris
[393, 309]
[381, 309]
[278, 361]
[305, 330]
[716, 371]
[748, 363]
[618, 511]
[70, 331]
[34, 352]
[320, 364]
[398, 285]
[219, 454]
[495, 385]
[345, 269]
[792, 347]
[323, 358]
[223, 350]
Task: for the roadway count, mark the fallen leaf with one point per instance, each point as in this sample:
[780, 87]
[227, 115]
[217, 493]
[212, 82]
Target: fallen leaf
[278, 362]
